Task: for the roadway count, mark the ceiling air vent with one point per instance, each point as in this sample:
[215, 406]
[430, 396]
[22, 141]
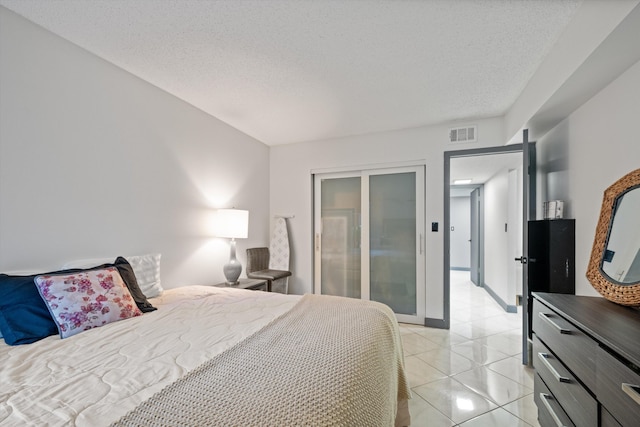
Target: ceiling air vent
[464, 134]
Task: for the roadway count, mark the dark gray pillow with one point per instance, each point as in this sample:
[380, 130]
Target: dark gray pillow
[129, 278]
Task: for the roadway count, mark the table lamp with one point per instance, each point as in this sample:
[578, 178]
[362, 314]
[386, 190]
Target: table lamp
[233, 224]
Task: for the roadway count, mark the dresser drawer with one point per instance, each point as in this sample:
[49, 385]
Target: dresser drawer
[576, 350]
[579, 405]
[607, 420]
[550, 413]
[618, 389]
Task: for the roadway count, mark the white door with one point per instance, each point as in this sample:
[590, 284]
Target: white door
[477, 244]
[369, 238]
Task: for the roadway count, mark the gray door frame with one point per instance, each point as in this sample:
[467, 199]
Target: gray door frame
[448, 155]
[528, 213]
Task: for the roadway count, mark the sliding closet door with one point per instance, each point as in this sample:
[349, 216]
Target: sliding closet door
[393, 241]
[369, 238]
[338, 236]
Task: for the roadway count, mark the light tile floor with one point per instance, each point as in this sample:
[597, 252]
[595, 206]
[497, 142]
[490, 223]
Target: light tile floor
[472, 374]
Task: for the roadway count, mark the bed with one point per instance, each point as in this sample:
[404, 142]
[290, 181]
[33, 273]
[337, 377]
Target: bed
[216, 356]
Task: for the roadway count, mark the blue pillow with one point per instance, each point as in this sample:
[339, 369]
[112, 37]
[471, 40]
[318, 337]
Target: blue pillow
[24, 317]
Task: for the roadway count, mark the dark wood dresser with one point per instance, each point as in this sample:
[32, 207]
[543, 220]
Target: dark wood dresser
[586, 354]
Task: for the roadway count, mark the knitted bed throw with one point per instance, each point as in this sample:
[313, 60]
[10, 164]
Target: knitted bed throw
[330, 361]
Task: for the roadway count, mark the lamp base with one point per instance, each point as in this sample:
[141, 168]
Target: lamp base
[232, 271]
[233, 268]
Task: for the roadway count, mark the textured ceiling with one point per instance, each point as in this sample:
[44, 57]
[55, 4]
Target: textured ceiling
[291, 71]
[482, 168]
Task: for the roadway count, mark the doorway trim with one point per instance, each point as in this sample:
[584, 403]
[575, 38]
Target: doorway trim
[448, 155]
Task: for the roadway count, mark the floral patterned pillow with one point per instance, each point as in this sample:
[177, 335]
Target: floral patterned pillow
[87, 299]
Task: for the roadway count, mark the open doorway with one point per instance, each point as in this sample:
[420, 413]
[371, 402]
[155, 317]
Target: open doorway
[490, 208]
[480, 296]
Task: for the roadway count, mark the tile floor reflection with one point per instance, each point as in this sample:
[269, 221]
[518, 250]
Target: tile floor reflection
[472, 374]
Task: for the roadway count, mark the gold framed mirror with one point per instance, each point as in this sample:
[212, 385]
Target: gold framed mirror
[614, 266]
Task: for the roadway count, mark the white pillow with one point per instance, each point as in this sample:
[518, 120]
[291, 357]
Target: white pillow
[147, 271]
[145, 267]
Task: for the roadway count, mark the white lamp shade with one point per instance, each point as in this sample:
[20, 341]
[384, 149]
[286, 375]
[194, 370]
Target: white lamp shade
[232, 223]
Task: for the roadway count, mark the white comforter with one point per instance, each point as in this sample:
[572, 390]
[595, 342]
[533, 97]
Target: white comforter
[96, 377]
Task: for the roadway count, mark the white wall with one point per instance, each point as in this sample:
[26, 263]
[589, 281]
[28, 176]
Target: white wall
[291, 187]
[503, 206]
[496, 243]
[460, 250]
[591, 149]
[96, 162]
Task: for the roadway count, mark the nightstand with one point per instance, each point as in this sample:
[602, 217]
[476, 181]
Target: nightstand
[252, 284]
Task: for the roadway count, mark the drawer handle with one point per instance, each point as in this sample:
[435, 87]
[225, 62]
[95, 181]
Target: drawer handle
[632, 391]
[545, 316]
[543, 358]
[545, 401]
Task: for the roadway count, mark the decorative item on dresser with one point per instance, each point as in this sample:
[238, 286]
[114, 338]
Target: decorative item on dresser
[587, 361]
